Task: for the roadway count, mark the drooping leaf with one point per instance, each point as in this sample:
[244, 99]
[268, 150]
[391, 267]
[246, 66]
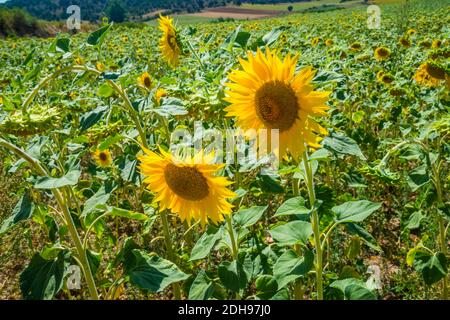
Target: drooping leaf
[42, 279]
[248, 217]
[206, 243]
[292, 233]
[290, 266]
[69, 179]
[22, 211]
[202, 288]
[355, 211]
[153, 273]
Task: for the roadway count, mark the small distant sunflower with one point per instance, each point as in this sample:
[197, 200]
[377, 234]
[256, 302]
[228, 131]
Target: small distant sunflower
[425, 43]
[380, 75]
[411, 32]
[188, 188]
[329, 42]
[405, 42]
[387, 78]
[355, 46]
[169, 43]
[100, 66]
[315, 41]
[436, 44]
[268, 94]
[1, 100]
[145, 80]
[79, 60]
[102, 158]
[160, 93]
[382, 53]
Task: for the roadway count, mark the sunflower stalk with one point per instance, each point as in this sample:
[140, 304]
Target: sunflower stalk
[63, 206]
[169, 248]
[315, 224]
[298, 290]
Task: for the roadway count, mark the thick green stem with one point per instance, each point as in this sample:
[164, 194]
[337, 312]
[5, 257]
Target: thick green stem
[234, 245]
[315, 224]
[169, 248]
[298, 289]
[62, 203]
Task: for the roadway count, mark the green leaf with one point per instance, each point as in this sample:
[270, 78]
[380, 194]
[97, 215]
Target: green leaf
[123, 213]
[97, 37]
[206, 243]
[433, 267]
[70, 179]
[355, 211]
[22, 211]
[292, 233]
[63, 44]
[293, 206]
[242, 39]
[366, 236]
[105, 91]
[94, 260]
[290, 266]
[171, 107]
[233, 276]
[90, 118]
[202, 288]
[153, 273]
[343, 145]
[42, 279]
[108, 142]
[414, 220]
[248, 217]
[266, 286]
[100, 197]
[418, 177]
[353, 289]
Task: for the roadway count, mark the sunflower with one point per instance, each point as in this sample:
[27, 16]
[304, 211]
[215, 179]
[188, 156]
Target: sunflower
[329, 42]
[405, 42]
[380, 75]
[387, 78]
[381, 53]
[411, 32]
[169, 43]
[145, 80]
[355, 46]
[100, 66]
[267, 94]
[436, 44]
[1, 100]
[187, 187]
[425, 43]
[423, 77]
[315, 41]
[102, 158]
[160, 93]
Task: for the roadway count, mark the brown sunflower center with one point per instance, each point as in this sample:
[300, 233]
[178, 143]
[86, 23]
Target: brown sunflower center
[276, 105]
[102, 156]
[172, 41]
[147, 82]
[186, 182]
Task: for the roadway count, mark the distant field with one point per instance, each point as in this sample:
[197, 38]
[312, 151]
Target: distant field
[297, 6]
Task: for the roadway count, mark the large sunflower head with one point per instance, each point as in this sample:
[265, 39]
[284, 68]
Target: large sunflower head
[187, 187]
[269, 94]
[423, 76]
[169, 43]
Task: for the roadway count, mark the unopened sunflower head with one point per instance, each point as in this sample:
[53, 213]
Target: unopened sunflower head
[170, 42]
[355, 46]
[102, 158]
[268, 94]
[187, 187]
[35, 120]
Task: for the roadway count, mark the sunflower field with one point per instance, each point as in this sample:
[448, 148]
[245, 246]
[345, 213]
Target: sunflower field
[94, 203]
